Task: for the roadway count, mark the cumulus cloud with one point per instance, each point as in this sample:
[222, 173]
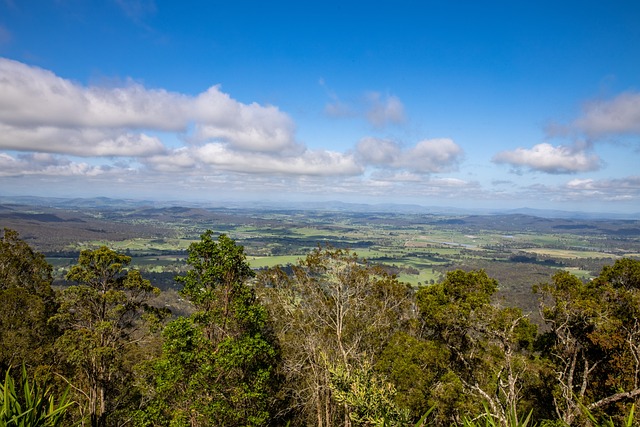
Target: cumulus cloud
[606, 186]
[46, 165]
[248, 127]
[379, 152]
[219, 157]
[172, 141]
[416, 185]
[36, 97]
[551, 159]
[427, 156]
[384, 110]
[84, 142]
[33, 98]
[433, 155]
[626, 189]
[620, 115]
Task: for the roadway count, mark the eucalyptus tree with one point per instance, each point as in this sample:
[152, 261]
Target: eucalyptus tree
[333, 311]
[489, 348]
[593, 340]
[102, 318]
[26, 302]
[218, 366]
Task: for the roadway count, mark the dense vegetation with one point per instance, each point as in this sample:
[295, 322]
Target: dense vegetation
[330, 341]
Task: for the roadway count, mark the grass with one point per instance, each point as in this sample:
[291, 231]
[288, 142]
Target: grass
[272, 261]
[567, 253]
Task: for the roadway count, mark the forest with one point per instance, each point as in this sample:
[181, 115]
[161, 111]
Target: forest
[331, 340]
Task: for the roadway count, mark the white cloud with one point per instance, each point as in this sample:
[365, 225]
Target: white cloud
[384, 110]
[433, 155]
[178, 160]
[405, 184]
[247, 127]
[623, 184]
[33, 98]
[427, 156]
[46, 165]
[626, 189]
[215, 142]
[551, 159]
[379, 152]
[218, 157]
[84, 142]
[620, 115]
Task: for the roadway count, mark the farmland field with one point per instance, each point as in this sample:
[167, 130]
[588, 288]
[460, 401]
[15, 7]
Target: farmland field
[418, 247]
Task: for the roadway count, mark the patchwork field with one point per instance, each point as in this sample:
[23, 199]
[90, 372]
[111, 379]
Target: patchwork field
[419, 248]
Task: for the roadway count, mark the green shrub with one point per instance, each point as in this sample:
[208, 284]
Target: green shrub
[34, 407]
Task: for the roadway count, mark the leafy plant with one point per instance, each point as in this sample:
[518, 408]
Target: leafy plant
[36, 407]
[489, 420]
[608, 422]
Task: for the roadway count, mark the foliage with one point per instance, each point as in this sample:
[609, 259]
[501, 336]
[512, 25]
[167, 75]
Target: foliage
[22, 267]
[416, 368]
[490, 347]
[217, 366]
[333, 309]
[330, 341]
[36, 406]
[593, 342]
[488, 420]
[369, 399]
[26, 303]
[608, 421]
[101, 319]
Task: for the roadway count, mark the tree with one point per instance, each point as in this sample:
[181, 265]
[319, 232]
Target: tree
[26, 303]
[490, 347]
[22, 267]
[218, 366]
[332, 310]
[416, 367]
[593, 342]
[102, 319]
[369, 398]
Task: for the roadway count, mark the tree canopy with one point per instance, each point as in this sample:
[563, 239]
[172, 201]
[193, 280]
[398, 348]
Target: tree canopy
[330, 341]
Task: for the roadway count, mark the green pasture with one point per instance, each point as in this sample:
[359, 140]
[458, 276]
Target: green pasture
[566, 253]
[272, 261]
[138, 244]
[583, 274]
[424, 278]
[419, 247]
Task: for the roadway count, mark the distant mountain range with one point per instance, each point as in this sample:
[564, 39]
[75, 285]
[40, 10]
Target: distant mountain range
[111, 203]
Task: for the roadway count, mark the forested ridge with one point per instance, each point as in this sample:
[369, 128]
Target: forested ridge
[332, 341]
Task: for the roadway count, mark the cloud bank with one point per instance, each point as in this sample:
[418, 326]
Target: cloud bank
[427, 156]
[58, 132]
[551, 159]
[620, 115]
[51, 125]
[41, 112]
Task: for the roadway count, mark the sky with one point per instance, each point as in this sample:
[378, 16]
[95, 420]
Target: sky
[492, 104]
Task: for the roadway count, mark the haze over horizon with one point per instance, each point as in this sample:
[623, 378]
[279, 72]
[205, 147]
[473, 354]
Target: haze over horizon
[466, 104]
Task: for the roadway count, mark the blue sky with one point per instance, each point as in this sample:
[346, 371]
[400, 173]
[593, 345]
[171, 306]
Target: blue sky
[498, 104]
